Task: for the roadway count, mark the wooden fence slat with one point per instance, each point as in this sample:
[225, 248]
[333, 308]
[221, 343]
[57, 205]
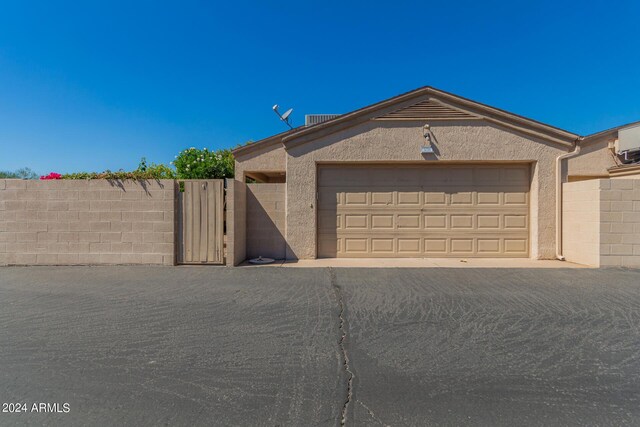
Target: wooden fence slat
[188, 222]
[204, 231]
[211, 218]
[219, 235]
[196, 221]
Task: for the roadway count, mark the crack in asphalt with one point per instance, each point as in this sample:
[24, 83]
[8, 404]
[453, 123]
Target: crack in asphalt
[371, 414]
[341, 345]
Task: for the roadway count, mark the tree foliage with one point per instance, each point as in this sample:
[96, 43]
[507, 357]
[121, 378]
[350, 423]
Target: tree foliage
[194, 163]
[22, 173]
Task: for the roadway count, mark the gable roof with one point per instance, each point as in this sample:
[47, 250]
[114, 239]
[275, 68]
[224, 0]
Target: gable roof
[438, 105]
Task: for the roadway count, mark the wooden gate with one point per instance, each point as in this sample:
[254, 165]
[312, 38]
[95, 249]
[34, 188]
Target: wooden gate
[201, 228]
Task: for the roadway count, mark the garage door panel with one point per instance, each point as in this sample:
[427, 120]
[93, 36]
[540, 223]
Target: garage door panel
[424, 211]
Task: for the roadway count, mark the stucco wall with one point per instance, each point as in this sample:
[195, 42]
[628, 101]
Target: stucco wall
[236, 222]
[265, 221]
[581, 222]
[594, 160]
[268, 159]
[87, 222]
[400, 141]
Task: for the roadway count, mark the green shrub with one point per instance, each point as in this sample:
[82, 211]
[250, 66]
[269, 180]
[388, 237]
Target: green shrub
[143, 172]
[194, 163]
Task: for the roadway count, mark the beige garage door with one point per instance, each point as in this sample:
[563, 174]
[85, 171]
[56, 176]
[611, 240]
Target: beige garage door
[423, 211]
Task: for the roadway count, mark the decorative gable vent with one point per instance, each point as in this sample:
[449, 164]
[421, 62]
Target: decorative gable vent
[428, 109]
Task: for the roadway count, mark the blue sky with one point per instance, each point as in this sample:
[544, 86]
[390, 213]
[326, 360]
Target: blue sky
[94, 85]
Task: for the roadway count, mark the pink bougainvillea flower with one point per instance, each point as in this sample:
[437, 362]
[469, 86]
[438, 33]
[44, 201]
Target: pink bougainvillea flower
[52, 175]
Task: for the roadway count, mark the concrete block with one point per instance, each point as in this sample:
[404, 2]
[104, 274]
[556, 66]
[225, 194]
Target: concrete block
[151, 259]
[68, 259]
[611, 216]
[21, 205]
[79, 247]
[111, 237]
[168, 260]
[152, 238]
[630, 217]
[142, 226]
[131, 195]
[79, 205]
[45, 236]
[153, 216]
[27, 237]
[111, 216]
[163, 226]
[99, 248]
[68, 216]
[132, 216]
[143, 206]
[110, 194]
[121, 205]
[89, 237]
[100, 205]
[88, 259]
[111, 259]
[631, 261]
[88, 195]
[121, 226]
[163, 248]
[57, 205]
[72, 236]
[621, 206]
[621, 249]
[611, 195]
[168, 237]
[89, 216]
[46, 216]
[15, 184]
[132, 237]
[122, 248]
[47, 259]
[3, 184]
[622, 184]
[57, 247]
[57, 226]
[25, 259]
[80, 226]
[100, 226]
[142, 247]
[8, 236]
[68, 194]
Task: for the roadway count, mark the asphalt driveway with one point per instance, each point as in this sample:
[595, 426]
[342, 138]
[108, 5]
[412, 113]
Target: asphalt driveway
[203, 346]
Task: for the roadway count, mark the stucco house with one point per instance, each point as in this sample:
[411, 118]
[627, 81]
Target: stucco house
[424, 174]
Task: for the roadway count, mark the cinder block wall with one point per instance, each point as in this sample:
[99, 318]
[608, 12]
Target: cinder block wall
[265, 233]
[236, 222]
[65, 222]
[581, 222]
[620, 225]
[601, 222]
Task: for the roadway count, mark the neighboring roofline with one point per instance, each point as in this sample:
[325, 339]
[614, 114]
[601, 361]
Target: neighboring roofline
[622, 170]
[489, 113]
[612, 132]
